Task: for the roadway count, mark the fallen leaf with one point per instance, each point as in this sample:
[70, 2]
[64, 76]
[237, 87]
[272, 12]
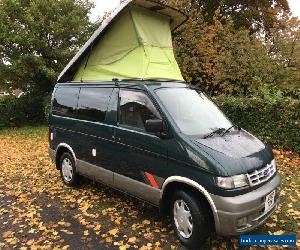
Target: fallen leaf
[7, 234]
[132, 240]
[113, 231]
[146, 222]
[108, 239]
[280, 232]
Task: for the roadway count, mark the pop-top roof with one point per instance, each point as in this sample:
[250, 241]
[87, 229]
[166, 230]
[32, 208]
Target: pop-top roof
[176, 19]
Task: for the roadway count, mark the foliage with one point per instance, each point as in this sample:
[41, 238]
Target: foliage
[38, 38]
[226, 58]
[285, 46]
[2, 98]
[245, 66]
[275, 120]
[39, 212]
[46, 105]
[252, 15]
[20, 111]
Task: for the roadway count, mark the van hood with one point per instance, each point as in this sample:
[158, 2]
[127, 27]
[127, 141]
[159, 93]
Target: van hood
[238, 152]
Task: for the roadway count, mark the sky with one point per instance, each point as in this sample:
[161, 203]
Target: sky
[103, 6]
[295, 7]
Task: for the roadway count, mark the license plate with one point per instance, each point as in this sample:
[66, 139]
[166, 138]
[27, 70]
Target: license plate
[269, 202]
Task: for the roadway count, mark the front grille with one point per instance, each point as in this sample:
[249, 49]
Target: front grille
[259, 176]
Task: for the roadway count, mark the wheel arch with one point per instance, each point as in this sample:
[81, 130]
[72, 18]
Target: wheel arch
[179, 181]
[62, 148]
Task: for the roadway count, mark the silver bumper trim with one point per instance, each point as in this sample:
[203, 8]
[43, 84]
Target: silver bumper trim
[250, 205]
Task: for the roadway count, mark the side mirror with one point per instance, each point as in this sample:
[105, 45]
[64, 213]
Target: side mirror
[154, 126]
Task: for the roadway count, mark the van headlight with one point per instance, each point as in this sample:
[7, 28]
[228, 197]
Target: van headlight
[231, 182]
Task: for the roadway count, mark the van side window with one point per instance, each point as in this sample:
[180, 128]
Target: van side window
[92, 104]
[135, 109]
[65, 102]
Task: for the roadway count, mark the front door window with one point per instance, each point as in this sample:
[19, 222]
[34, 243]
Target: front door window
[135, 109]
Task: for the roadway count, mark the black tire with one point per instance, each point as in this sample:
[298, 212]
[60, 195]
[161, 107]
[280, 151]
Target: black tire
[200, 219]
[74, 177]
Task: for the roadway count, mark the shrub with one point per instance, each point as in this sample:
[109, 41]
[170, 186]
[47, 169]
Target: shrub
[274, 120]
[16, 112]
[46, 105]
[2, 98]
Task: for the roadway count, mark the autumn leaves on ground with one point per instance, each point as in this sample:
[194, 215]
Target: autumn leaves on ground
[38, 212]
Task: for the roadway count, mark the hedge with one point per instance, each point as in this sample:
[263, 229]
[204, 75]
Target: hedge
[16, 112]
[275, 121]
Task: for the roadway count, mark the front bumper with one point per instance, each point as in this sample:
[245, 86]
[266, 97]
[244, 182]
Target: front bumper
[249, 207]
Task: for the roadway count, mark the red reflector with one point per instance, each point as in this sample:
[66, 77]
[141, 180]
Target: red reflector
[151, 180]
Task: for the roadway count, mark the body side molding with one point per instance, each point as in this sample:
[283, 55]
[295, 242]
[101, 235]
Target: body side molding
[137, 189]
[122, 183]
[95, 173]
[200, 188]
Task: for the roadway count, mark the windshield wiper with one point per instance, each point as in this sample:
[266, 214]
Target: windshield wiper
[227, 130]
[217, 131]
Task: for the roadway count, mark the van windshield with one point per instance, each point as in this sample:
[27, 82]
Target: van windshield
[193, 112]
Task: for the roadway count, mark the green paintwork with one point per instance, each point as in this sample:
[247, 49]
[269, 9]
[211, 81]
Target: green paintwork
[131, 153]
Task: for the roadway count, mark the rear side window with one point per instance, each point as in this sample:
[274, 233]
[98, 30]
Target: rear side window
[65, 102]
[93, 103]
[135, 109]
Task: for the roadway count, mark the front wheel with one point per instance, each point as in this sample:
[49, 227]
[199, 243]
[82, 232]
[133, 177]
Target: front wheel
[67, 170]
[190, 218]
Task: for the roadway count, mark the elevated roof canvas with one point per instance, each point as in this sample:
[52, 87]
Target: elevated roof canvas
[134, 43]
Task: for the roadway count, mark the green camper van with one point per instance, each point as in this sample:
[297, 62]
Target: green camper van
[122, 115]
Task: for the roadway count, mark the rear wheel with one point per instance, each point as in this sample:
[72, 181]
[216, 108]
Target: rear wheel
[67, 170]
[190, 218]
